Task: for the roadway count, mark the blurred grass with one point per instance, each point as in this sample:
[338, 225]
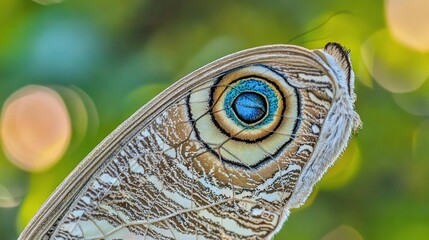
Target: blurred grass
[121, 54]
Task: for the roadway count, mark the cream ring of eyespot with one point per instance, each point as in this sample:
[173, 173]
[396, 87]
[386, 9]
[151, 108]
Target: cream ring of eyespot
[234, 141]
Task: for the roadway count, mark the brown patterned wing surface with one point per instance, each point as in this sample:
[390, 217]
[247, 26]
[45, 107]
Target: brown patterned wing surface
[222, 154]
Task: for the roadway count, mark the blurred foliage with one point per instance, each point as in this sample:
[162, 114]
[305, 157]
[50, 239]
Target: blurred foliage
[107, 58]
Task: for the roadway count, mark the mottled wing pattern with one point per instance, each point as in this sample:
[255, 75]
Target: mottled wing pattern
[222, 158]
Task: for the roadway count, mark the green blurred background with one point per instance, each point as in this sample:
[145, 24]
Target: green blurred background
[71, 72]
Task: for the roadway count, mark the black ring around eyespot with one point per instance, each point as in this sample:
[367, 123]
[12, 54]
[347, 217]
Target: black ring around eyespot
[264, 160]
[212, 103]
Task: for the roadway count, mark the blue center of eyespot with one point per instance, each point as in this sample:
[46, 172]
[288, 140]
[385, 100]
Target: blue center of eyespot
[251, 103]
[250, 107]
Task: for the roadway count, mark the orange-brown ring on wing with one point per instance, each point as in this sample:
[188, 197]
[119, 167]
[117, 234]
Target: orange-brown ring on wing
[235, 131]
[277, 82]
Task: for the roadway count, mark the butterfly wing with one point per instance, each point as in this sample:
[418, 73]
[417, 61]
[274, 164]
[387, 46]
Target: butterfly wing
[221, 154]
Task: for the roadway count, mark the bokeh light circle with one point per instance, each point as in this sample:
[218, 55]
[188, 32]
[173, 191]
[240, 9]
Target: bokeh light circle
[35, 128]
[48, 2]
[408, 22]
[415, 102]
[7, 200]
[343, 232]
[389, 63]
